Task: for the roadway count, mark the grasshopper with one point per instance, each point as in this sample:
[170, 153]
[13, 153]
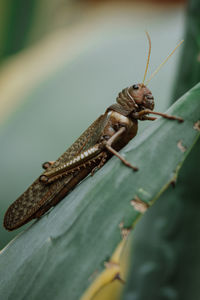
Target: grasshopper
[103, 139]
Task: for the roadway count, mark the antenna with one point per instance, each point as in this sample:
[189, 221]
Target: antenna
[160, 66]
[148, 58]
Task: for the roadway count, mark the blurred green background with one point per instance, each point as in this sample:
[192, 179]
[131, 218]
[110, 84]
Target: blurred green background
[62, 63]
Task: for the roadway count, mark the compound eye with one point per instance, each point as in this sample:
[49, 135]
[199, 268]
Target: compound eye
[135, 86]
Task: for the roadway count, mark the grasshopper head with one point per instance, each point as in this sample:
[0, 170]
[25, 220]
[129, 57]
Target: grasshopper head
[136, 98]
[142, 96]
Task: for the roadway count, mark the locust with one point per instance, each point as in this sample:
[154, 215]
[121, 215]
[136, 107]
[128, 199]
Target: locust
[103, 139]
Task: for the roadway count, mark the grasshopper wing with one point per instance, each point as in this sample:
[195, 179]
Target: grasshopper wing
[38, 198]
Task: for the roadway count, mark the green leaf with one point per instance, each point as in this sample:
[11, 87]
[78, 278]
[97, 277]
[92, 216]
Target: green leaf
[16, 25]
[165, 262]
[188, 73]
[56, 257]
[166, 245]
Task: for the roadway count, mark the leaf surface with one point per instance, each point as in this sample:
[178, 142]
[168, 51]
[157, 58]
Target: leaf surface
[57, 256]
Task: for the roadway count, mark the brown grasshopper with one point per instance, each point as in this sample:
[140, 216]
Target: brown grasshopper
[103, 139]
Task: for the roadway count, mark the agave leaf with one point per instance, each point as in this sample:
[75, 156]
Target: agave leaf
[57, 255]
[169, 233]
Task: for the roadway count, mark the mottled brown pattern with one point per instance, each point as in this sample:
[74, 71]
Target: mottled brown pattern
[38, 194]
[88, 138]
